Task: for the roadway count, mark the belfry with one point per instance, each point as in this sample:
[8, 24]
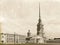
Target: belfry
[40, 34]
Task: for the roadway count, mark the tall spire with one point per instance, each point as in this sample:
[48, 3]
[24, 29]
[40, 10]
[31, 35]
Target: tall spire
[40, 29]
[39, 14]
[39, 25]
[39, 10]
[39, 22]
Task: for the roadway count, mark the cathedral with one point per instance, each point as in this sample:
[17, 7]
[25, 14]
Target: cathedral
[39, 37]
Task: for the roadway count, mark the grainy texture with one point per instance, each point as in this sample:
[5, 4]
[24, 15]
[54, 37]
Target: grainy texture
[33, 44]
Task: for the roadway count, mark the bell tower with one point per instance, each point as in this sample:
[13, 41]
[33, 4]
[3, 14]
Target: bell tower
[40, 34]
[39, 25]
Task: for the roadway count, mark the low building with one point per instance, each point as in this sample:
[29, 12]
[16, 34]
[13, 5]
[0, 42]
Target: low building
[55, 40]
[12, 38]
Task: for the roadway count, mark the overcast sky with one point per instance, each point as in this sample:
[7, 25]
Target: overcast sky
[22, 15]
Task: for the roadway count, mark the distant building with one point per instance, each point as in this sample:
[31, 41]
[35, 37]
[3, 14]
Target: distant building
[12, 38]
[55, 40]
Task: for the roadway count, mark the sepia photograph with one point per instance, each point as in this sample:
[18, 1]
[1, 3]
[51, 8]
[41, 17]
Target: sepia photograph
[29, 22]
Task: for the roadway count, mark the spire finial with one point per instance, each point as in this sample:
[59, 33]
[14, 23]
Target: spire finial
[39, 10]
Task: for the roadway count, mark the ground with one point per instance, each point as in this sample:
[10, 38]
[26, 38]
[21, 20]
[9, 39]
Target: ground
[33, 44]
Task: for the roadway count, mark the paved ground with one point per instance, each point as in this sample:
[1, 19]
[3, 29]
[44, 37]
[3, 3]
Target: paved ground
[33, 44]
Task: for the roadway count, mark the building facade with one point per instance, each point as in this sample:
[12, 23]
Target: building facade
[12, 38]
